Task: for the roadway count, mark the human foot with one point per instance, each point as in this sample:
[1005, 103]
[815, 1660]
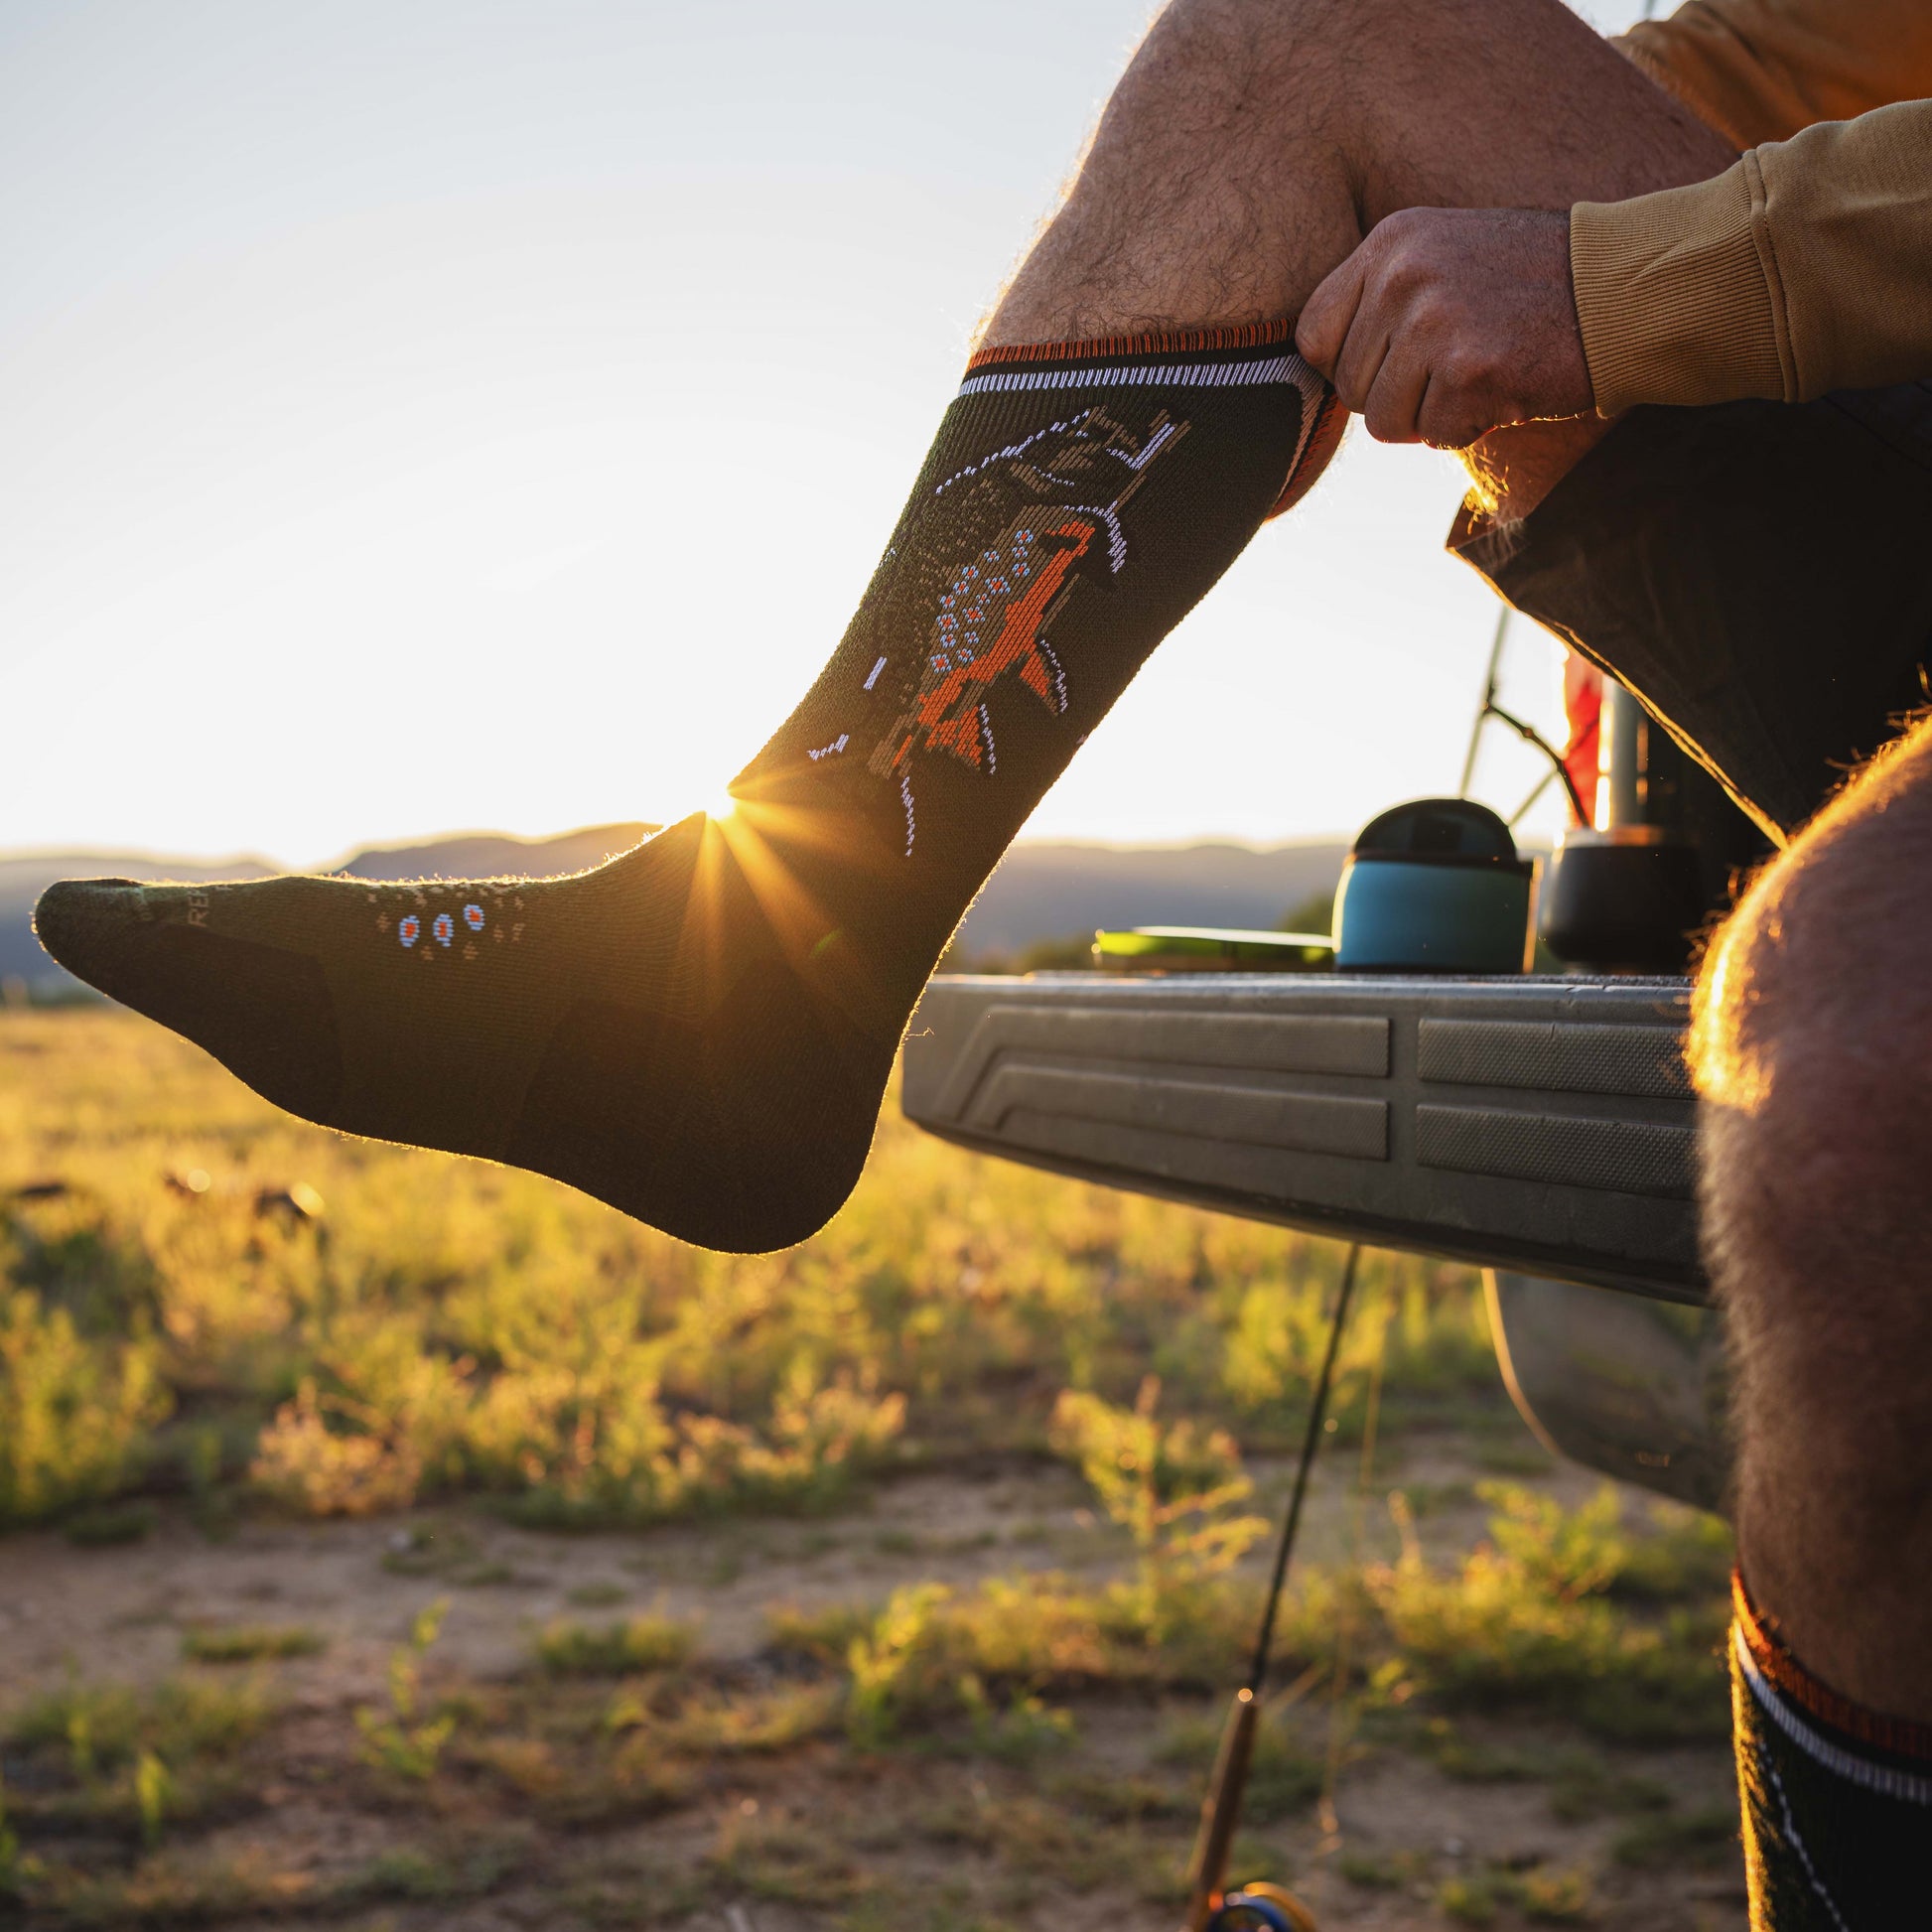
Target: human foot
[638, 1031]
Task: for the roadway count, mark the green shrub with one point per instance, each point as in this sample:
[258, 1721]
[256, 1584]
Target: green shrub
[744, 1724]
[1173, 1486]
[403, 1739]
[248, 1643]
[899, 1664]
[640, 1643]
[101, 1728]
[14, 1865]
[1671, 1838]
[104, 1526]
[454, 1327]
[1284, 1780]
[73, 1414]
[1528, 1617]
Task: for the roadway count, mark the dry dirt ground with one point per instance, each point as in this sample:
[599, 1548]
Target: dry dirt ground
[294, 1822]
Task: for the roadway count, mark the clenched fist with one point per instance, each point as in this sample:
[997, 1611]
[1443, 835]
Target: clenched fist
[1447, 323]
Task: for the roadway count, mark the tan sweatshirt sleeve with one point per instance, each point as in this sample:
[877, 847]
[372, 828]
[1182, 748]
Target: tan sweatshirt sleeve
[1805, 267]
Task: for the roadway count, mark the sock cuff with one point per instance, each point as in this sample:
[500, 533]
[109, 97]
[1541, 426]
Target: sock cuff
[1760, 1644]
[1179, 342]
[1236, 355]
[1254, 355]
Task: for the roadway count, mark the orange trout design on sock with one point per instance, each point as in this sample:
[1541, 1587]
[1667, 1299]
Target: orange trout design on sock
[994, 612]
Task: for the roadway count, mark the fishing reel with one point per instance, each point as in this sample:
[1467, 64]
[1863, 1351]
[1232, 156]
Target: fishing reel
[1261, 1907]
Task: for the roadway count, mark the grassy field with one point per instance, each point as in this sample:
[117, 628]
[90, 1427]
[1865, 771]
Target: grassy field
[397, 1540]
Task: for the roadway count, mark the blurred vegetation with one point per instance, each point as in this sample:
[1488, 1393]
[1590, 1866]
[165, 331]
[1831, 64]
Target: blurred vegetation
[200, 1295]
[1316, 914]
[208, 1310]
[1071, 953]
[251, 1643]
[607, 1726]
[642, 1643]
[405, 1740]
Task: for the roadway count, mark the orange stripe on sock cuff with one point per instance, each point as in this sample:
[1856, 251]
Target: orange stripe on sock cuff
[1774, 1658]
[1180, 341]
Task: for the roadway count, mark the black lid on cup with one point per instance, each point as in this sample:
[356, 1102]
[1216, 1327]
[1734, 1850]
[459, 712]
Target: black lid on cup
[1439, 832]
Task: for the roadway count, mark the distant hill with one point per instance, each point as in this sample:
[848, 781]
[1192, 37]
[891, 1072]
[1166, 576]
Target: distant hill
[494, 855]
[1040, 892]
[25, 876]
[466, 854]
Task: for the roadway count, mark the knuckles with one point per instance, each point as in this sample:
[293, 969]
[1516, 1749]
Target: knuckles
[1468, 372]
[1410, 273]
[1434, 288]
[1401, 227]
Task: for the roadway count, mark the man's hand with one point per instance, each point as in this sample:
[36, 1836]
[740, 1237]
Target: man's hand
[1447, 323]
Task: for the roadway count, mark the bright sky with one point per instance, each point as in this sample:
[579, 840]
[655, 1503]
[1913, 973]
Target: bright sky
[486, 413]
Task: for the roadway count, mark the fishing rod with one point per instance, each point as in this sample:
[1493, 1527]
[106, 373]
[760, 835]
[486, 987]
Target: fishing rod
[1488, 709]
[1259, 1907]
[1529, 734]
[1489, 678]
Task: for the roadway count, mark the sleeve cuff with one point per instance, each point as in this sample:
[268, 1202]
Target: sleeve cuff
[1677, 295]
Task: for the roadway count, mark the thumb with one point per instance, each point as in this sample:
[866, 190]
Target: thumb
[1329, 313]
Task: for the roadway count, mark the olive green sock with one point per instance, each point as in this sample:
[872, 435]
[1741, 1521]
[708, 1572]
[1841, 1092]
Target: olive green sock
[699, 1030]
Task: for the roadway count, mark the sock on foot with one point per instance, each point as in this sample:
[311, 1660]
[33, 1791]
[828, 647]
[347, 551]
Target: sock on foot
[699, 1032]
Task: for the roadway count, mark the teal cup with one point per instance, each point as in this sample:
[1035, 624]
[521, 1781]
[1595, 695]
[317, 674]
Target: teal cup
[1434, 887]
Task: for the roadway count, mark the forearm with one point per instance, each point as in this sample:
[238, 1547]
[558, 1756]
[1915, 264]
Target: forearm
[1804, 268]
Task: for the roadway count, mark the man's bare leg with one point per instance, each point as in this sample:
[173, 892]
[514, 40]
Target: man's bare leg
[1246, 152]
[1251, 144]
[1813, 1057]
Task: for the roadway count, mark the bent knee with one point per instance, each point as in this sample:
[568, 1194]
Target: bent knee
[1811, 1046]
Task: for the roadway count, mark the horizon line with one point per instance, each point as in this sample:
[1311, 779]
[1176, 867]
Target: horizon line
[1180, 842]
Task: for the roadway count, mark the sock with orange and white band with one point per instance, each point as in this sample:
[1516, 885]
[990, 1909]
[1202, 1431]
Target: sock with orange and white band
[700, 1031]
[1837, 1799]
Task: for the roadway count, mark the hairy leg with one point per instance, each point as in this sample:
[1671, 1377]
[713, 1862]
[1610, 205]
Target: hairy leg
[1813, 1055]
[1251, 144]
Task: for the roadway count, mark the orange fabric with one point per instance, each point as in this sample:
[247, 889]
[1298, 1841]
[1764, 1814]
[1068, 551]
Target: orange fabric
[1180, 341]
[1017, 645]
[1324, 440]
[1761, 70]
[1774, 1659]
[1583, 713]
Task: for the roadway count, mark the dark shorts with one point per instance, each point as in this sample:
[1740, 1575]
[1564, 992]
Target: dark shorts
[1760, 574]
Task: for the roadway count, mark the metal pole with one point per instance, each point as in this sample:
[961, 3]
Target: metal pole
[1488, 698]
[1537, 791]
[1619, 790]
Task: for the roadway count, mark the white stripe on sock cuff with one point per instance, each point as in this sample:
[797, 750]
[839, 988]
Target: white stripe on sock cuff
[1882, 1778]
[1159, 376]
